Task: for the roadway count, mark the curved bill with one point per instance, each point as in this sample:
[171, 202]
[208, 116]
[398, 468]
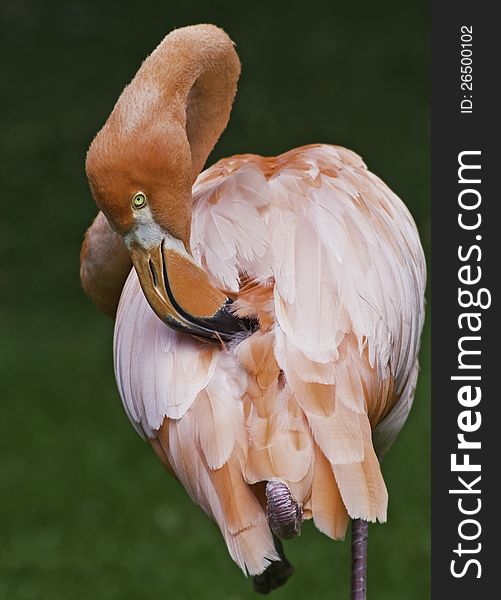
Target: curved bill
[181, 295]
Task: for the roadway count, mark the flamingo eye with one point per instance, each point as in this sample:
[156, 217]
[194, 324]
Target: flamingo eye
[139, 201]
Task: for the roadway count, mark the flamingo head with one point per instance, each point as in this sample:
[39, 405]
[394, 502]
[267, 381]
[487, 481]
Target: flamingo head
[141, 167]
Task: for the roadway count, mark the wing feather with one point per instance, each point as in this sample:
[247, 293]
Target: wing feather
[159, 372]
[229, 235]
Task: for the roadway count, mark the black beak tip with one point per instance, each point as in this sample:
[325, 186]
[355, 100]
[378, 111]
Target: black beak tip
[224, 326]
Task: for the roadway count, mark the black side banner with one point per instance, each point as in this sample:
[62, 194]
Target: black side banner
[465, 282]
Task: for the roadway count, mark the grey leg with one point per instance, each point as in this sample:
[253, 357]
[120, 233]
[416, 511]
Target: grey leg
[359, 543]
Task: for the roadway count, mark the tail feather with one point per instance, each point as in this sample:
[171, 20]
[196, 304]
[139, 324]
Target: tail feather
[329, 512]
[337, 412]
[222, 493]
[252, 549]
[361, 484]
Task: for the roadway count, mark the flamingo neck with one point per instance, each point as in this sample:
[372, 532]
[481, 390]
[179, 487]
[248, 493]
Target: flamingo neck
[190, 79]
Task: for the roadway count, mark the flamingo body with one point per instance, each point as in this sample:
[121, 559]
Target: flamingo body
[327, 260]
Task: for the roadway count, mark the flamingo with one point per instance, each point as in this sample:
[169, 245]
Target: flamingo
[266, 340]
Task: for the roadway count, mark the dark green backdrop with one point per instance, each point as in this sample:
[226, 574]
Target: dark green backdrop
[86, 511]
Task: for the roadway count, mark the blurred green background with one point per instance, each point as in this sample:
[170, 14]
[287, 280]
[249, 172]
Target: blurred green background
[86, 510]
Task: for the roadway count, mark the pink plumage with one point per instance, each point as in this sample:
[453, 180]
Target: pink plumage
[337, 260]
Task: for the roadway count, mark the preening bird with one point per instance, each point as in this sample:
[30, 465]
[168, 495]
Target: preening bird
[266, 339]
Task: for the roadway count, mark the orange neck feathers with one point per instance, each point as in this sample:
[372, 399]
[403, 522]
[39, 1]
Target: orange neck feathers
[163, 127]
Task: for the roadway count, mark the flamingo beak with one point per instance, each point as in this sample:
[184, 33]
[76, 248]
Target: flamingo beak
[181, 295]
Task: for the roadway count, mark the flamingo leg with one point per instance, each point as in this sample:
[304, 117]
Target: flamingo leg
[359, 543]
